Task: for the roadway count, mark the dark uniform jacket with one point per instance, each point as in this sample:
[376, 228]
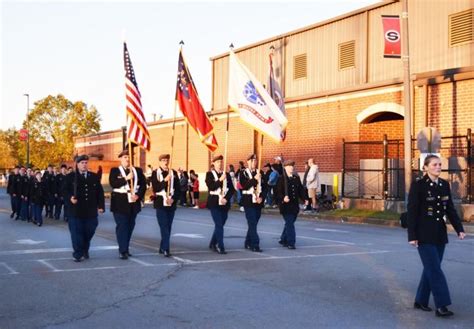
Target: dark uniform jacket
[60, 180]
[25, 186]
[295, 191]
[16, 184]
[213, 185]
[37, 192]
[428, 204]
[50, 183]
[10, 184]
[119, 201]
[160, 186]
[247, 184]
[89, 194]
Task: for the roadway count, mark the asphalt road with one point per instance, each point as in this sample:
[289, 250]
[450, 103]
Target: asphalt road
[340, 276]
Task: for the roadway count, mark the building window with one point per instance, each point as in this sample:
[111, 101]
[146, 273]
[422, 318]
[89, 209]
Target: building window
[347, 55]
[300, 66]
[461, 28]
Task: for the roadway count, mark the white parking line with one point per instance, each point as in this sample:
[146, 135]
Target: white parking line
[49, 265]
[183, 260]
[49, 250]
[10, 269]
[138, 261]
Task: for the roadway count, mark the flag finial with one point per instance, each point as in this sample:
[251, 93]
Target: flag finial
[231, 46]
[272, 47]
[181, 43]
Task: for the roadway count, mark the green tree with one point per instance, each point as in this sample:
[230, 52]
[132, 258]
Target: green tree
[53, 124]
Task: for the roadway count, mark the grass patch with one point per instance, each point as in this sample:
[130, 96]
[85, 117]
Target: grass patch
[364, 213]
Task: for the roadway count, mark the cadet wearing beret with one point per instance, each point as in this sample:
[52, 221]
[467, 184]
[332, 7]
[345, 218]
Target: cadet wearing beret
[86, 195]
[220, 189]
[253, 192]
[429, 205]
[124, 204]
[289, 191]
[164, 202]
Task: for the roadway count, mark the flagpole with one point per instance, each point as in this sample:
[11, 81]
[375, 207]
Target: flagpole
[258, 190]
[130, 155]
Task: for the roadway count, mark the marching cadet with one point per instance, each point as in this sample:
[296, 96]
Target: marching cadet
[86, 195]
[11, 189]
[50, 183]
[25, 193]
[31, 178]
[252, 200]
[289, 191]
[60, 178]
[37, 197]
[165, 185]
[125, 204]
[221, 189]
[429, 205]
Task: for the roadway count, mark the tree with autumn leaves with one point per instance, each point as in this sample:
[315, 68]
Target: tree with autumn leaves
[53, 123]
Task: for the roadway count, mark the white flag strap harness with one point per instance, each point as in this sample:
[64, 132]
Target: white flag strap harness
[126, 188]
[254, 192]
[219, 190]
[159, 176]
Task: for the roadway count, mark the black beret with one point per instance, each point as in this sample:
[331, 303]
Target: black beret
[289, 163]
[252, 157]
[124, 152]
[80, 158]
[217, 157]
[63, 166]
[164, 156]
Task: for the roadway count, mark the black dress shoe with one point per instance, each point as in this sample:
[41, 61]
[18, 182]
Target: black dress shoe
[283, 243]
[247, 246]
[422, 307]
[166, 253]
[129, 254]
[123, 255]
[160, 251]
[212, 247]
[78, 260]
[257, 249]
[443, 312]
[12, 215]
[291, 247]
[221, 251]
[17, 217]
[86, 254]
[40, 224]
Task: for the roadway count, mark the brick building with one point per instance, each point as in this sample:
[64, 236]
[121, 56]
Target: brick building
[338, 85]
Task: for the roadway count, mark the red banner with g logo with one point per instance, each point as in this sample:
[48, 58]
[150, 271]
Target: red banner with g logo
[392, 36]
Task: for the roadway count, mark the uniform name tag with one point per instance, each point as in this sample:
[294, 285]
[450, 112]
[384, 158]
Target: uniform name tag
[430, 198]
[445, 198]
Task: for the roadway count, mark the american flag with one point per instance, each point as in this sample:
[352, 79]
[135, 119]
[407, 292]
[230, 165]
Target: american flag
[137, 131]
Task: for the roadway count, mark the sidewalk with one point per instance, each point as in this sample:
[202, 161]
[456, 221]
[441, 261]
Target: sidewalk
[324, 216]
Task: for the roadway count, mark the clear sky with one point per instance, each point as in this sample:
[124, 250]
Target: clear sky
[75, 47]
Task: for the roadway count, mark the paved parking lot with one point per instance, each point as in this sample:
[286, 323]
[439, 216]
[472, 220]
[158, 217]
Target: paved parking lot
[340, 276]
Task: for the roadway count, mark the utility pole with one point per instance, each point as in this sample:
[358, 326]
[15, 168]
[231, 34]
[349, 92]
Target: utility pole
[406, 97]
[27, 129]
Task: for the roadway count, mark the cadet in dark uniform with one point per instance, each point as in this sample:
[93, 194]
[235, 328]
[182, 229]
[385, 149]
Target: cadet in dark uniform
[288, 192]
[11, 190]
[16, 190]
[123, 204]
[60, 178]
[31, 179]
[50, 183]
[86, 195]
[164, 203]
[37, 198]
[25, 193]
[429, 204]
[253, 191]
[221, 189]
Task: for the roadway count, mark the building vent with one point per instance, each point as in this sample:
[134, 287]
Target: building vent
[300, 66]
[461, 28]
[347, 55]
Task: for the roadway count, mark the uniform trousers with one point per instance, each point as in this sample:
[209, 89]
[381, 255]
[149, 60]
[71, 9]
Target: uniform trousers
[124, 229]
[432, 279]
[219, 216]
[82, 230]
[289, 235]
[165, 218]
[253, 215]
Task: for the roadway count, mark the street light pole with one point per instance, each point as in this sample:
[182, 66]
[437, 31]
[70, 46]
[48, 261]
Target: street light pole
[27, 129]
